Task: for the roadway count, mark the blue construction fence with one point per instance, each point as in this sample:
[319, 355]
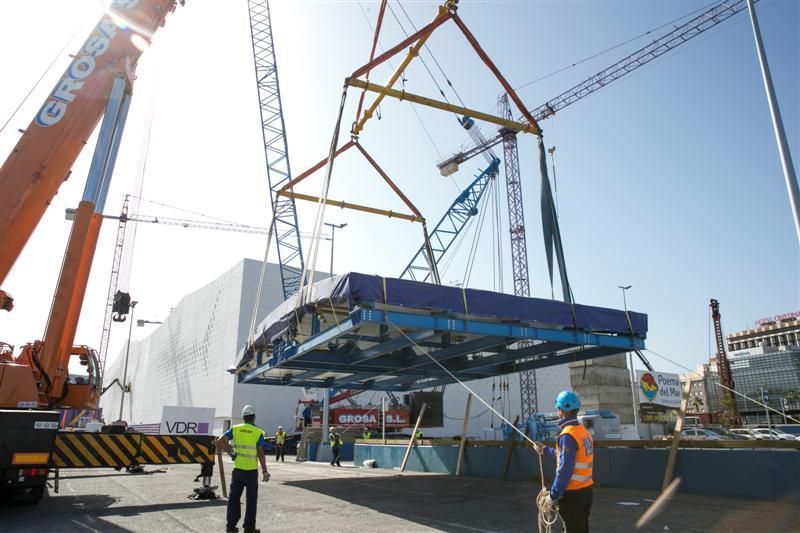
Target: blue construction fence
[762, 474]
[321, 451]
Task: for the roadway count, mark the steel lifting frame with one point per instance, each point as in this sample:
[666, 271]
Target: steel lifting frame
[276, 151]
[387, 364]
[416, 215]
[445, 12]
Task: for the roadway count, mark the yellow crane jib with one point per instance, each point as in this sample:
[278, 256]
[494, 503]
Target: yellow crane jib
[355, 207]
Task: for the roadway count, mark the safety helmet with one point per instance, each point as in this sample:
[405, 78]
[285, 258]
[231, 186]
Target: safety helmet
[280, 428]
[568, 401]
[248, 410]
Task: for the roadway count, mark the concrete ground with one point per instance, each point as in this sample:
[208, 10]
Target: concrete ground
[316, 497]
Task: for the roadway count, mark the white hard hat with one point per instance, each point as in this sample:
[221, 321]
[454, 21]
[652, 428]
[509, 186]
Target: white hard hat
[280, 427]
[248, 410]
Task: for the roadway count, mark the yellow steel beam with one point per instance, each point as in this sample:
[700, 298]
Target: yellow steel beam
[355, 207]
[412, 53]
[422, 100]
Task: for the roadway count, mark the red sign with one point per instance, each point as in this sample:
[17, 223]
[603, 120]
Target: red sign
[395, 418]
[778, 318]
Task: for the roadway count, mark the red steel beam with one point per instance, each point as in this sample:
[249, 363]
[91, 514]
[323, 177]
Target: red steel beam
[307, 173]
[485, 58]
[388, 180]
[372, 54]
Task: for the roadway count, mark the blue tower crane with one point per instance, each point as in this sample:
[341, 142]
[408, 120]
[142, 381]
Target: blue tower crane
[276, 152]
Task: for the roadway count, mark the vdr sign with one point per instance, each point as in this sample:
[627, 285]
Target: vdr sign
[187, 420]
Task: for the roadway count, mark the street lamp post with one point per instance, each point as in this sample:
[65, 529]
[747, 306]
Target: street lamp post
[334, 227]
[777, 123]
[630, 364]
[127, 354]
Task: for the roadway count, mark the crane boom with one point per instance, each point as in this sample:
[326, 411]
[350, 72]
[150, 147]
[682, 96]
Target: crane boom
[710, 18]
[723, 365]
[49, 146]
[276, 150]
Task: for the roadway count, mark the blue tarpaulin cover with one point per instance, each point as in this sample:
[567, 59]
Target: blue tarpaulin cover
[355, 289]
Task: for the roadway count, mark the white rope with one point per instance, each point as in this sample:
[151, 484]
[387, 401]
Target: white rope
[548, 515]
[257, 303]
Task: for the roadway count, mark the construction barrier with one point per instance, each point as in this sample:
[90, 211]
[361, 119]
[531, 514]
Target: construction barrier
[759, 470]
[121, 450]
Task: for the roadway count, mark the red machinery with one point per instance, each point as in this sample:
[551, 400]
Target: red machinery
[96, 85]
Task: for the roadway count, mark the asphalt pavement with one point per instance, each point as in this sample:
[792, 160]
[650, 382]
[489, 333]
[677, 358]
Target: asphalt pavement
[318, 497]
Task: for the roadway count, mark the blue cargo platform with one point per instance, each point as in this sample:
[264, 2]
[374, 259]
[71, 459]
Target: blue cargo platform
[359, 331]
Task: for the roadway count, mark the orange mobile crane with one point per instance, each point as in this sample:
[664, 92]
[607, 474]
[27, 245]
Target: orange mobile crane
[34, 384]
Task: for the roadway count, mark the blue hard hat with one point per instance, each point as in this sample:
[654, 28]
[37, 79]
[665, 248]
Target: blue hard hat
[568, 400]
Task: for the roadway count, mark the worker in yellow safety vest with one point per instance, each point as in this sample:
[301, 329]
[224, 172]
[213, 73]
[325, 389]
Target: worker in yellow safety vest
[280, 441]
[335, 441]
[418, 434]
[572, 489]
[367, 434]
[245, 444]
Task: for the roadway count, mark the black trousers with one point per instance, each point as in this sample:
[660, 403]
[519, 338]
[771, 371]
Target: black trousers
[241, 480]
[280, 451]
[574, 507]
[335, 450]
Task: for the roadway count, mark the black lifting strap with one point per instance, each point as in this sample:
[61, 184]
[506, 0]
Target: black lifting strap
[550, 228]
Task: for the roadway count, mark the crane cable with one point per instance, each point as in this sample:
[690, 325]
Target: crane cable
[425, 45]
[413, 107]
[36, 84]
[614, 47]
[476, 240]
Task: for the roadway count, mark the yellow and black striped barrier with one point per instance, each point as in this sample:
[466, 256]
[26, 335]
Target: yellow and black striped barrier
[115, 450]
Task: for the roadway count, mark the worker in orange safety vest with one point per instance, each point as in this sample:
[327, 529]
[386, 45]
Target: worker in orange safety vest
[572, 489]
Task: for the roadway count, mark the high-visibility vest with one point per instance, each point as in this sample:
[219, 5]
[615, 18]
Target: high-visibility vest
[584, 457]
[334, 439]
[245, 445]
[418, 434]
[367, 435]
[280, 437]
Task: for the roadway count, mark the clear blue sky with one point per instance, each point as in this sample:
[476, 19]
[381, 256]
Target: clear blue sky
[668, 180]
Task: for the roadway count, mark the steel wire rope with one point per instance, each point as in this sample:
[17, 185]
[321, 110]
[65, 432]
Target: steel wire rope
[499, 232]
[427, 48]
[413, 107]
[36, 84]
[161, 204]
[614, 47]
[729, 389]
[462, 418]
[476, 240]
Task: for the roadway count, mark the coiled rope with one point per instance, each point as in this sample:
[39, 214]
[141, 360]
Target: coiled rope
[548, 515]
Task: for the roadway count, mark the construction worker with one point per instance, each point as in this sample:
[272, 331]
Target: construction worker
[418, 434]
[247, 452]
[336, 446]
[367, 434]
[280, 440]
[572, 489]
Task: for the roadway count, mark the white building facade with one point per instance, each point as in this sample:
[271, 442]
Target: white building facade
[184, 362]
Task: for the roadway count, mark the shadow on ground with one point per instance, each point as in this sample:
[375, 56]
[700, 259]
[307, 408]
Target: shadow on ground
[84, 512]
[454, 504]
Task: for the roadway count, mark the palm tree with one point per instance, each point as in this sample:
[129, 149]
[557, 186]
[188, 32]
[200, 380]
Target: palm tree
[697, 404]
